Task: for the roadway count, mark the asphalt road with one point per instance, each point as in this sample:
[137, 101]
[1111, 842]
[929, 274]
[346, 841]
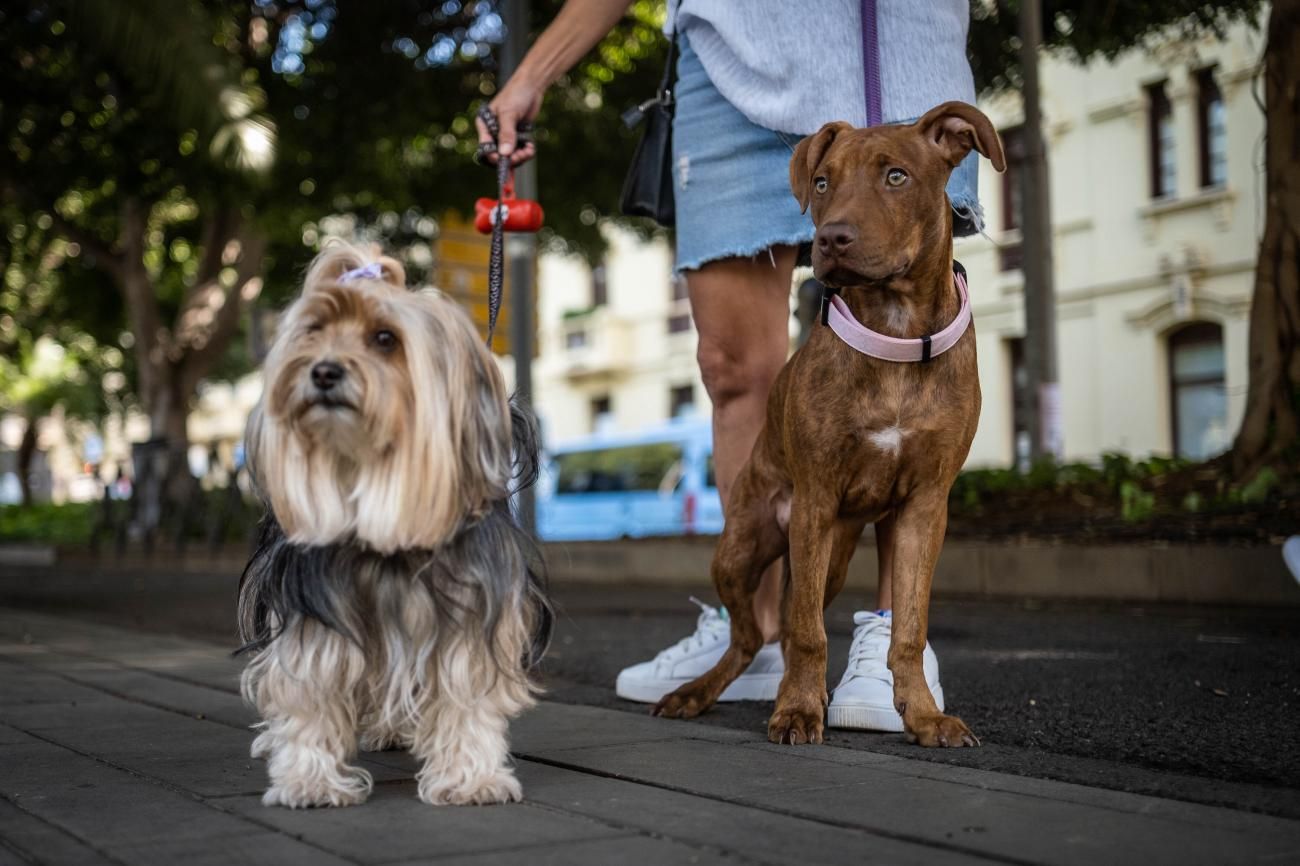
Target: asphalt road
[1188, 702]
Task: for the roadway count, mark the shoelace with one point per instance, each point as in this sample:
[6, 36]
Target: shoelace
[708, 626]
[866, 646]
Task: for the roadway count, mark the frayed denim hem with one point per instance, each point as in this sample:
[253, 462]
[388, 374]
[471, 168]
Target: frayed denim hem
[748, 251]
[967, 216]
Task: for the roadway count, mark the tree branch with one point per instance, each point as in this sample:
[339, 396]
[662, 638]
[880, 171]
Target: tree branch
[216, 229]
[206, 326]
[141, 300]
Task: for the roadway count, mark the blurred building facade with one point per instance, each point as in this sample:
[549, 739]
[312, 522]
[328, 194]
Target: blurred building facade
[1157, 179]
[1156, 164]
[1157, 198]
[616, 345]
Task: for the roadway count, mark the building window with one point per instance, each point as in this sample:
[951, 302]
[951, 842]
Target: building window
[1160, 122]
[679, 287]
[1013, 194]
[602, 412]
[1199, 411]
[599, 286]
[1212, 129]
[1021, 444]
[681, 401]
[680, 321]
[575, 339]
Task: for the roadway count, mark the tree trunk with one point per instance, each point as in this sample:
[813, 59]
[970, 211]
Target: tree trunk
[1270, 428]
[26, 452]
[169, 422]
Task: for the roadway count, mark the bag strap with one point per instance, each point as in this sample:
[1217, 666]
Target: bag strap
[670, 67]
[871, 62]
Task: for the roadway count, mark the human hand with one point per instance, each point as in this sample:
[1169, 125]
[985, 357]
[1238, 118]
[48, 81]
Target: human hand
[518, 102]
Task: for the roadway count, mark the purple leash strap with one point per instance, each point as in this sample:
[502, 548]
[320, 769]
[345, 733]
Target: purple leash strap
[871, 62]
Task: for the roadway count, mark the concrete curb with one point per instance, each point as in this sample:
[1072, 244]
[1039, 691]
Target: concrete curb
[1203, 574]
[1200, 574]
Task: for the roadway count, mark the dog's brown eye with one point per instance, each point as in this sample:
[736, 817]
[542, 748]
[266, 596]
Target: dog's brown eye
[384, 340]
[896, 177]
[314, 327]
[821, 184]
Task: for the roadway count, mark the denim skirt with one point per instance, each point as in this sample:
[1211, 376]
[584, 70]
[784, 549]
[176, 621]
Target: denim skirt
[732, 177]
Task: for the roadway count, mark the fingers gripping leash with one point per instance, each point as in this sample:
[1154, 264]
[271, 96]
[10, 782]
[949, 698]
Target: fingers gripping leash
[504, 213]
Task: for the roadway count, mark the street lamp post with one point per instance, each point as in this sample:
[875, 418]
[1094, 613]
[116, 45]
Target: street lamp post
[1039, 293]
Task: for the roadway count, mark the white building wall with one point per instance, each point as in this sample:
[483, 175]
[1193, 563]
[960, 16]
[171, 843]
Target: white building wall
[1119, 257]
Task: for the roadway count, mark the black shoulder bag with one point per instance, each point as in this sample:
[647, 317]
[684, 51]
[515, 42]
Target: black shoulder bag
[648, 187]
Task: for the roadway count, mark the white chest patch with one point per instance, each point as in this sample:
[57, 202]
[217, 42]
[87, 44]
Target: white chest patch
[890, 439]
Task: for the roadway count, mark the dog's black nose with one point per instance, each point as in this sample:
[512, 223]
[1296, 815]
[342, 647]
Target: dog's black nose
[326, 374]
[835, 238]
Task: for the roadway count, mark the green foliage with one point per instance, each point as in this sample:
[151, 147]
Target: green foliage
[1135, 503]
[1117, 478]
[1259, 487]
[47, 523]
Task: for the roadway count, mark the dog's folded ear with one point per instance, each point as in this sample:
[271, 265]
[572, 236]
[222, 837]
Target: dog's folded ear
[808, 154]
[957, 128]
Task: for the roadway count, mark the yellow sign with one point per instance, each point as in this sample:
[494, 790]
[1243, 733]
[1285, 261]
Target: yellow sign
[461, 271]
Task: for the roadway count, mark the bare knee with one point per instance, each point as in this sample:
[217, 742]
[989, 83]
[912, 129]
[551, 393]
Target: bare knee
[732, 370]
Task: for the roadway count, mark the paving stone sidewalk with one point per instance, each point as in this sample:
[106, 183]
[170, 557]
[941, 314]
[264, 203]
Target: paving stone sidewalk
[119, 747]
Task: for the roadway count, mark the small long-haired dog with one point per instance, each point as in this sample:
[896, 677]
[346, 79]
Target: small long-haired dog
[393, 600]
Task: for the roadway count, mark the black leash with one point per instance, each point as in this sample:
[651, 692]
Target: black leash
[497, 257]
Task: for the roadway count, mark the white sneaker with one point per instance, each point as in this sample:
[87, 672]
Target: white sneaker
[690, 657]
[1291, 555]
[864, 699]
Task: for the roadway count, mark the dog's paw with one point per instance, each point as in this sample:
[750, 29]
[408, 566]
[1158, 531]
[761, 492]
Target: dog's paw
[685, 703]
[796, 725]
[939, 731]
[500, 787]
[347, 787]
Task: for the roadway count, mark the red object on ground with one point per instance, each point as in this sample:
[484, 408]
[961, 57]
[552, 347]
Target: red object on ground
[520, 214]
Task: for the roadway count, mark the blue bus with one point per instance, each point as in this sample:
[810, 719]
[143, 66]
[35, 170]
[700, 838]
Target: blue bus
[656, 481]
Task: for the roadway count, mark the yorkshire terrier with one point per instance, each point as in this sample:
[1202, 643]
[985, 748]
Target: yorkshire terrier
[393, 600]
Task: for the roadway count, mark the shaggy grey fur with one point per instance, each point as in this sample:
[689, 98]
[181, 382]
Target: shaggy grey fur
[490, 565]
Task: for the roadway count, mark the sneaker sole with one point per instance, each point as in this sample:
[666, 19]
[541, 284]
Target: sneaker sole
[747, 687]
[865, 717]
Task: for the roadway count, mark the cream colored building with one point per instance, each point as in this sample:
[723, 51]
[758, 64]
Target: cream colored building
[616, 346]
[1157, 185]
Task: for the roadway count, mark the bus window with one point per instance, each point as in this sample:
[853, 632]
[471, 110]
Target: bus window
[710, 478]
[615, 470]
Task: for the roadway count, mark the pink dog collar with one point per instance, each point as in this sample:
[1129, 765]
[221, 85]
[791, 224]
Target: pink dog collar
[868, 342]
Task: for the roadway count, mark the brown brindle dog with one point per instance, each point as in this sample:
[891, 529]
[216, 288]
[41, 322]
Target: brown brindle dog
[850, 439]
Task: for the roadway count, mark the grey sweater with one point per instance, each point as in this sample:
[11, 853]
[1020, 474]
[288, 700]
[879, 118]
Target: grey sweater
[793, 66]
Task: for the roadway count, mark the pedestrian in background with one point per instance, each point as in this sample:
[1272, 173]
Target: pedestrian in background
[752, 79]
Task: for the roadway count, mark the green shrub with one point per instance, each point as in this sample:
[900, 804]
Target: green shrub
[46, 523]
[1258, 488]
[1135, 503]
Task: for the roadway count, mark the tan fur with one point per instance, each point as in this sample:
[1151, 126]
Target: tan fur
[849, 439]
[411, 447]
[393, 472]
